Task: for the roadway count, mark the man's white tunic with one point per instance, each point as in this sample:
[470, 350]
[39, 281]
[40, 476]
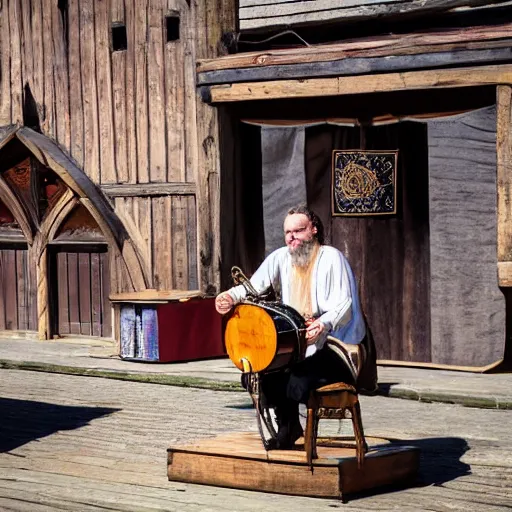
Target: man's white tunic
[334, 297]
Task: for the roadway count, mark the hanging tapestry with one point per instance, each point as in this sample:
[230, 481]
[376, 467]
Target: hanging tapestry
[364, 182]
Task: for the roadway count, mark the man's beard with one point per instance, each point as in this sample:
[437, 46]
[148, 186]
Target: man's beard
[301, 256]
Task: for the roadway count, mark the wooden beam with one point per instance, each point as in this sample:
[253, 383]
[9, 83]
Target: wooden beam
[314, 12]
[505, 273]
[104, 95]
[16, 208]
[140, 245]
[278, 89]
[383, 46]
[439, 366]
[504, 184]
[156, 296]
[50, 155]
[5, 66]
[77, 146]
[43, 311]
[150, 189]
[8, 133]
[57, 215]
[360, 65]
[135, 271]
[15, 58]
[38, 255]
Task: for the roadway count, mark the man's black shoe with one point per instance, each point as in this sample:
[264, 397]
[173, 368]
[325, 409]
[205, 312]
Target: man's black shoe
[286, 438]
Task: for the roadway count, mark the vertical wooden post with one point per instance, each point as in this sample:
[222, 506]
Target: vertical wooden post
[212, 20]
[5, 66]
[504, 184]
[16, 75]
[43, 312]
[116, 322]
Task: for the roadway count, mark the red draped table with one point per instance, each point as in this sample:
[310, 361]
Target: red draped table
[167, 326]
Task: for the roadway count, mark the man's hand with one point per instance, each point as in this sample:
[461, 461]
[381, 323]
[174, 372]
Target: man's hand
[223, 303]
[313, 331]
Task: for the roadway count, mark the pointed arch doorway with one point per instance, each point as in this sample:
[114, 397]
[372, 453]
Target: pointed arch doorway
[66, 240]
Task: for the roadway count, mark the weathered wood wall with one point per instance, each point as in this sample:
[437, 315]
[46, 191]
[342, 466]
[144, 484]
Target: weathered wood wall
[112, 110]
[170, 221]
[129, 118]
[17, 307]
[267, 14]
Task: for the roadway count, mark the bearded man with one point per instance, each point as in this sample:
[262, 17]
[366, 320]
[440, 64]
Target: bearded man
[317, 281]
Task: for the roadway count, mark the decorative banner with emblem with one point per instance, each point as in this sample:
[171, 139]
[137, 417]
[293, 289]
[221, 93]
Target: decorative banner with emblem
[364, 182]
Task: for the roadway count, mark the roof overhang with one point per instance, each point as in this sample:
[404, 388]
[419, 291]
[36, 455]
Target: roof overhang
[452, 58]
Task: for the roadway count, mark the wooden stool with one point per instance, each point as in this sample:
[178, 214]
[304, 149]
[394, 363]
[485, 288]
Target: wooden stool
[333, 402]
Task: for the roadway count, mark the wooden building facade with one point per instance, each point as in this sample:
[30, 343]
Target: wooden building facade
[434, 276]
[133, 153]
[109, 179]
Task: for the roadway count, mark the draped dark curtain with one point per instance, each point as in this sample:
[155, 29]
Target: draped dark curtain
[242, 232]
[389, 254]
[427, 274]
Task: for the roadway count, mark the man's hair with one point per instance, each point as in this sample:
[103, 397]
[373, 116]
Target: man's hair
[313, 217]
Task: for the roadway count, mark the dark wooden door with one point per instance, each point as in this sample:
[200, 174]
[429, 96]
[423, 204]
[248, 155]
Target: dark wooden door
[17, 290]
[80, 288]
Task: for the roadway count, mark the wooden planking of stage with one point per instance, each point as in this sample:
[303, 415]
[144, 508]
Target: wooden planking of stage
[238, 460]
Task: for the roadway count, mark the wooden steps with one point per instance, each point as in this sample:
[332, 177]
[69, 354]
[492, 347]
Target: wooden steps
[239, 461]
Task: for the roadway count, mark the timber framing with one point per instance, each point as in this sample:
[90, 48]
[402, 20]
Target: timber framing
[150, 189]
[361, 84]
[50, 155]
[39, 255]
[504, 180]
[126, 248]
[12, 202]
[361, 65]
[425, 50]
[151, 295]
[319, 60]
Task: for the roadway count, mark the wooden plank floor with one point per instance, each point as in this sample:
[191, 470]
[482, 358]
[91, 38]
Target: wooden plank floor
[238, 461]
[89, 444]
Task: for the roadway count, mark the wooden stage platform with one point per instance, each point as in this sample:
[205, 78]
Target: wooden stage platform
[239, 461]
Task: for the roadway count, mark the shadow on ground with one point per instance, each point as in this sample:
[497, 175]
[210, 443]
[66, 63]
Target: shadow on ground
[440, 459]
[383, 389]
[439, 463]
[243, 405]
[23, 421]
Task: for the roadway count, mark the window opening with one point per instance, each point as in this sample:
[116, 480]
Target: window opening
[172, 23]
[119, 39]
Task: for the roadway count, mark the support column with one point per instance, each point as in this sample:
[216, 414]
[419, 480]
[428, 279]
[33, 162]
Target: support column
[504, 184]
[43, 311]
